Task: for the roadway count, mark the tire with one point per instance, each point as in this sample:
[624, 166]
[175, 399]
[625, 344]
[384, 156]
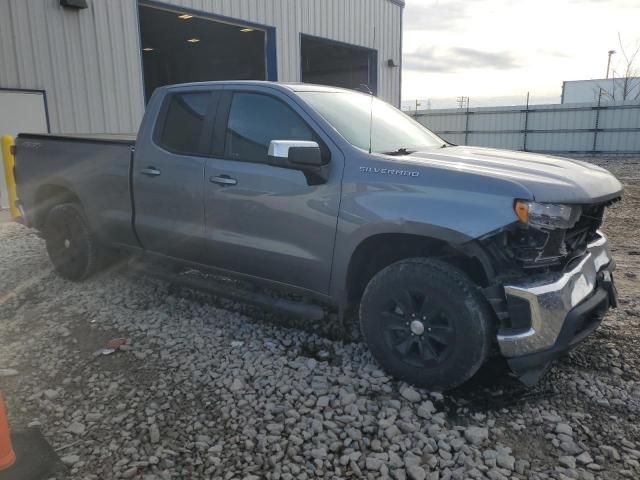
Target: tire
[73, 249]
[426, 323]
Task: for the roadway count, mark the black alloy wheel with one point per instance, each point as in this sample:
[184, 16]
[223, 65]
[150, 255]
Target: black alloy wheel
[417, 330]
[426, 323]
[73, 249]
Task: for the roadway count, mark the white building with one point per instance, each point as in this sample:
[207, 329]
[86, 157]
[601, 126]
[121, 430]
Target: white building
[98, 61]
[608, 89]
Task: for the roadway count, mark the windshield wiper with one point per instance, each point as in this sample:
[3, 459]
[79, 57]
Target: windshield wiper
[400, 151]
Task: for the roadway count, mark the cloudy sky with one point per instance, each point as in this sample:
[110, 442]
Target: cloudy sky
[494, 51]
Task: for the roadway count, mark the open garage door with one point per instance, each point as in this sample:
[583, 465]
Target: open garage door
[327, 62]
[180, 46]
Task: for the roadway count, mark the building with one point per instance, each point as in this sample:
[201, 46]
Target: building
[99, 60]
[89, 66]
[606, 89]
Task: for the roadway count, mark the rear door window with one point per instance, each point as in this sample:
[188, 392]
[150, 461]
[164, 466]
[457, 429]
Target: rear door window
[185, 129]
[255, 120]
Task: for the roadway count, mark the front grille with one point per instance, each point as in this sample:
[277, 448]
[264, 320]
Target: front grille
[585, 230]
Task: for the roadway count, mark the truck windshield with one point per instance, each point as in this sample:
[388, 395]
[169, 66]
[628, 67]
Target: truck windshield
[350, 114]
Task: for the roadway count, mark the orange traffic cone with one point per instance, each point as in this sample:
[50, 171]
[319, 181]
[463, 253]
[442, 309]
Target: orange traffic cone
[7, 455]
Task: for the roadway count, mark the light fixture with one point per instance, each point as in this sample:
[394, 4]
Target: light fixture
[246, 30]
[77, 4]
[185, 16]
[193, 40]
[148, 49]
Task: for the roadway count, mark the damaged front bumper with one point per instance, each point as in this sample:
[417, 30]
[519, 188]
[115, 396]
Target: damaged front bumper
[555, 314]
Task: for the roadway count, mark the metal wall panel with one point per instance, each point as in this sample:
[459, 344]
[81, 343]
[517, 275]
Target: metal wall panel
[373, 24]
[88, 61]
[561, 128]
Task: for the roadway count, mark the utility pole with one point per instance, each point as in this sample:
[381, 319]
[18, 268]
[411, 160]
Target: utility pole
[611, 53]
[463, 102]
[418, 104]
[526, 125]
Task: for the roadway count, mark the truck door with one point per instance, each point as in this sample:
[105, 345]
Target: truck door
[262, 220]
[168, 173]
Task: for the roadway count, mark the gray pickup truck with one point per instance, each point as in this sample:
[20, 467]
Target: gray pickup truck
[444, 253]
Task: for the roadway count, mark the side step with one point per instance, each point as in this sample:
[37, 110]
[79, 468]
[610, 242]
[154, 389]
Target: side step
[307, 311]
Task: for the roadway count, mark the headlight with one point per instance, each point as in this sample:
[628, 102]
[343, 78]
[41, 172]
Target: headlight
[547, 215]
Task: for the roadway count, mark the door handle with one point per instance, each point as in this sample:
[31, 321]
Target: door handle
[150, 172]
[224, 180]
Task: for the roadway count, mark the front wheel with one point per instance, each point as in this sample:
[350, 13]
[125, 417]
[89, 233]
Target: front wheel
[426, 323]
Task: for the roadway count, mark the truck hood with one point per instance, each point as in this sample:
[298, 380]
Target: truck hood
[547, 178]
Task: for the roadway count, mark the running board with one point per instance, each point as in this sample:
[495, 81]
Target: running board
[307, 311]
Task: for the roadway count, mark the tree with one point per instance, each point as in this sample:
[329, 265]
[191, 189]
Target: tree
[626, 85]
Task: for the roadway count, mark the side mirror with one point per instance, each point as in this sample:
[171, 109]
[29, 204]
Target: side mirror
[302, 155]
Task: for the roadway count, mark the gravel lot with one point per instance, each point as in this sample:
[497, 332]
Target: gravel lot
[206, 389]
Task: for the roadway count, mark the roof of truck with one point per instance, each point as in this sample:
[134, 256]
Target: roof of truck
[130, 138]
[295, 87]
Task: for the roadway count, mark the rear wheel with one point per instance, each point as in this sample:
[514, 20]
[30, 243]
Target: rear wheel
[72, 248]
[426, 323]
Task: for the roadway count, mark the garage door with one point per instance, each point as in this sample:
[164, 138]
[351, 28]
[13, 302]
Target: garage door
[328, 62]
[186, 46]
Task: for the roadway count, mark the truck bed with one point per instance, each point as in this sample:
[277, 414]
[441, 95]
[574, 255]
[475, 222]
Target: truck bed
[128, 138]
[94, 169]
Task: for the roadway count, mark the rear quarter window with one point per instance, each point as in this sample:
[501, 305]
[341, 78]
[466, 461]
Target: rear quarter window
[184, 122]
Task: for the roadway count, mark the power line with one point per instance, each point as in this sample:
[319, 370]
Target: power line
[463, 102]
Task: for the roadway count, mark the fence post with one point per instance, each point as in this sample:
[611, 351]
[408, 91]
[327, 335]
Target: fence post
[526, 124]
[466, 125]
[595, 130]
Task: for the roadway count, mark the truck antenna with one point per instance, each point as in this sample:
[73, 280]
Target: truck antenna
[365, 88]
[371, 107]
[371, 123]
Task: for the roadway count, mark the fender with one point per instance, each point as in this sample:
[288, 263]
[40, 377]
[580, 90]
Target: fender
[35, 208]
[346, 245]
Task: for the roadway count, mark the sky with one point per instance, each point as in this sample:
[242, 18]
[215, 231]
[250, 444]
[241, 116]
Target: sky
[495, 51]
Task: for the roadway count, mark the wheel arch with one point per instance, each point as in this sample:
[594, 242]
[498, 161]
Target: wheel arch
[48, 196]
[380, 250]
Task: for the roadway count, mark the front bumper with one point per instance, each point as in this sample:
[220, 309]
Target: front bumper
[558, 312]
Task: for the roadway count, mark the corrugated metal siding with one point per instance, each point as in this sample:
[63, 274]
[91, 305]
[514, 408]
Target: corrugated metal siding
[368, 23]
[88, 61]
[558, 128]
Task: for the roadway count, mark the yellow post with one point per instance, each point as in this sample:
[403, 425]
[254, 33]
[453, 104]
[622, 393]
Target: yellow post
[9, 162]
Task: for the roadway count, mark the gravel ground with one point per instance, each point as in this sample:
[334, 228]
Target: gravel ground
[206, 389]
